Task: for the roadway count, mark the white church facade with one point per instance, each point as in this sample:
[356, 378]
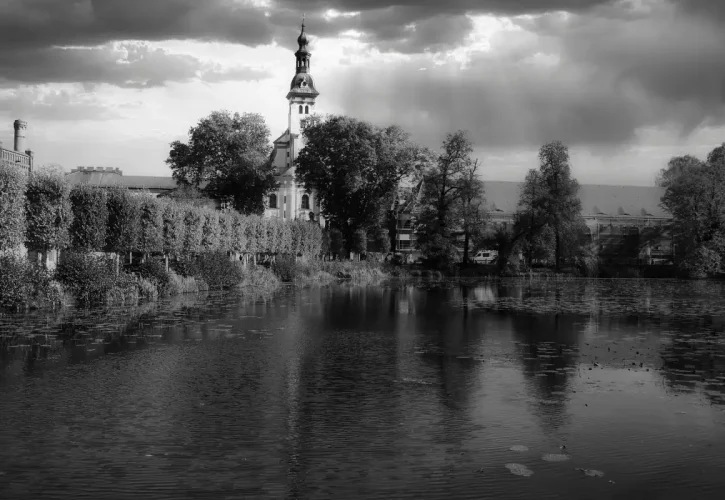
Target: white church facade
[291, 200]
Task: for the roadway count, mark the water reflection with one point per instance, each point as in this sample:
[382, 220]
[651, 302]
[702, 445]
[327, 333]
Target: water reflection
[400, 391]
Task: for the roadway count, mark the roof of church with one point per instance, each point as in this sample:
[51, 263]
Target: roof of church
[597, 199]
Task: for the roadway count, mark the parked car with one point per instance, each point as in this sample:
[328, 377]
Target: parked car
[485, 256]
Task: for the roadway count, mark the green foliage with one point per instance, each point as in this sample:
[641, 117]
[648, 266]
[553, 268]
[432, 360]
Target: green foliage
[226, 242]
[239, 238]
[285, 267]
[337, 243]
[48, 211]
[174, 228]
[90, 278]
[90, 218]
[24, 284]
[697, 204]
[354, 167]
[151, 222]
[193, 230]
[124, 225]
[230, 153]
[210, 231]
[12, 207]
[442, 199]
[359, 241]
[154, 272]
[217, 270]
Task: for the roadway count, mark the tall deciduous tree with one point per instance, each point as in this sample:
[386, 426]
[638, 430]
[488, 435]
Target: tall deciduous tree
[124, 220]
[47, 210]
[355, 167]
[228, 155]
[697, 204]
[443, 186]
[90, 218]
[550, 198]
[470, 210]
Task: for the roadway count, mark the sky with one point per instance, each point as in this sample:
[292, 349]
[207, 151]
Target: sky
[626, 84]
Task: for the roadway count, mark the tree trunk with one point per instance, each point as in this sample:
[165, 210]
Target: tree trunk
[466, 237]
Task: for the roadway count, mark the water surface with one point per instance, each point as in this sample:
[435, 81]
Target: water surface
[502, 390]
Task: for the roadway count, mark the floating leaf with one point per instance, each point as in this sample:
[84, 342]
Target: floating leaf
[591, 472]
[519, 470]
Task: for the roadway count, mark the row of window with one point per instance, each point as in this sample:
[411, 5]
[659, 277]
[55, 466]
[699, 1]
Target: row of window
[306, 109]
[304, 205]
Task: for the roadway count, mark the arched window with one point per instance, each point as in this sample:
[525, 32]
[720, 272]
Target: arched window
[305, 202]
[300, 108]
[272, 201]
[307, 110]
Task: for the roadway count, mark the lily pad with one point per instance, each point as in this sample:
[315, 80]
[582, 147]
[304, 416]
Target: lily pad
[518, 447]
[555, 457]
[591, 472]
[519, 470]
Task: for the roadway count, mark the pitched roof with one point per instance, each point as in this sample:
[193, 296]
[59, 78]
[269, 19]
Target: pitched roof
[597, 199]
[108, 179]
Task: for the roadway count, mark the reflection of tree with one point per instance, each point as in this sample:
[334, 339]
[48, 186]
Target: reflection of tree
[695, 358]
[543, 340]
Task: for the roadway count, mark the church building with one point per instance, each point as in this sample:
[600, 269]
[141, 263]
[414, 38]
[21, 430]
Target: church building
[291, 200]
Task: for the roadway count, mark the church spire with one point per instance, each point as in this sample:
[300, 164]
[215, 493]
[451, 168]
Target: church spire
[302, 82]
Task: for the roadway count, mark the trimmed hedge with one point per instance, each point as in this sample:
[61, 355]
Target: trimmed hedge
[48, 211]
[12, 207]
[90, 218]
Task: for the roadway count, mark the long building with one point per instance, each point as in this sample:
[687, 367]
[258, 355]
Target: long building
[19, 156]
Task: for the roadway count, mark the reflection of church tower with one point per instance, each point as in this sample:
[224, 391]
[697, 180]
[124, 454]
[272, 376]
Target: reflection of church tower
[291, 201]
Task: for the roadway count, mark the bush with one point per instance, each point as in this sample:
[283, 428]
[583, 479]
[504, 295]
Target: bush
[90, 218]
[89, 278]
[48, 211]
[12, 207]
[26, 284]
[285, 267]
[124, 224]
[147, 289]
[217, 270]
[184, 284]
[151, 231]
[154, 272]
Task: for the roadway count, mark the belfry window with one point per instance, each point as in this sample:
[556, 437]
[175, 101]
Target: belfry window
[307, 110]
[305, 202]
[272, 201]
[300, 108]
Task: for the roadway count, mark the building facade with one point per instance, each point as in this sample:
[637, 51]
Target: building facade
[291, 200]
[19, 156]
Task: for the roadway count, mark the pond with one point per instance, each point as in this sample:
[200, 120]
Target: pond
[504, 389]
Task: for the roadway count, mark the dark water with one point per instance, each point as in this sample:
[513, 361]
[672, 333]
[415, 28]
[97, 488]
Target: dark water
[399, 391]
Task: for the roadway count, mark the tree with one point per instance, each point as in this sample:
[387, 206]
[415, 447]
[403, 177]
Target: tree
[676, 167]
[549, 197]
[12, 207]
[228, 155]
[124, 212]
[443, 187]
[354, 167]
[47, 210]
[470, 210]
[90, 218]
[697, 204]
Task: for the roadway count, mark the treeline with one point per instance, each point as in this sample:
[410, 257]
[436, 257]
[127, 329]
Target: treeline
[695, 196]
[43, 212]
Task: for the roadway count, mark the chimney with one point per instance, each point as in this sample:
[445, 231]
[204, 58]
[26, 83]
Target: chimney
[20, 127]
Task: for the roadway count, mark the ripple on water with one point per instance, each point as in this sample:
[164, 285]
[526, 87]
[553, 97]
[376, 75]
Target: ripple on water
[518, 447]
[555, 457]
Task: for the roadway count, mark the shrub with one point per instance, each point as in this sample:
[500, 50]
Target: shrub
[154, 272]
[12, 207]
[89, 278]
[210, 231]
[48, 211]
[217, 270]
[147, 289]
[183, 284]
[173, 231]
[124, 225]
[257, 277]
[90, 218]
[151, 231]
[26, 284]
[285, 267]
[193, 230]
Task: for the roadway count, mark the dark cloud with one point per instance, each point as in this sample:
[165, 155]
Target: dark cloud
[129, 65]
[587, 80]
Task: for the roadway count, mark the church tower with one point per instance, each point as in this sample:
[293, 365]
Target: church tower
[292, 201]
[302, 94]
